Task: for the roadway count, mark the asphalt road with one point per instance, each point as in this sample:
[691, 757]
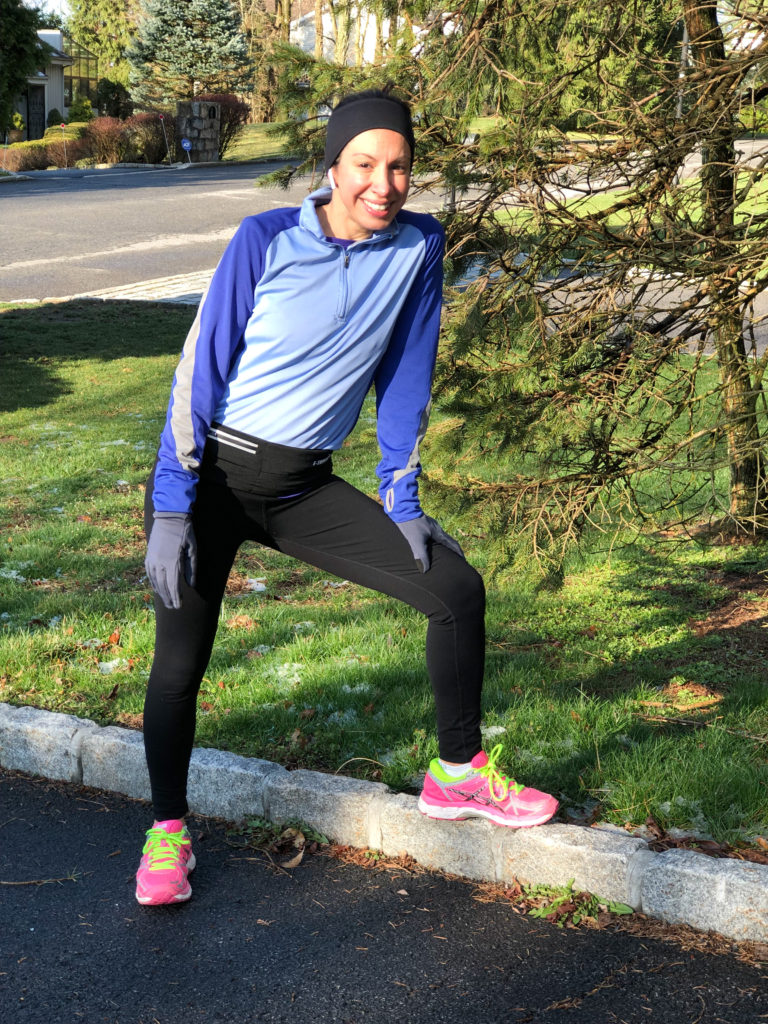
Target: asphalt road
[327, 941]
[85, 231]
[68, 233]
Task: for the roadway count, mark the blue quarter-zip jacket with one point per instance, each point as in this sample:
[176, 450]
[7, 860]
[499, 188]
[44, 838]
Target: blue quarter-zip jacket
[291, 333]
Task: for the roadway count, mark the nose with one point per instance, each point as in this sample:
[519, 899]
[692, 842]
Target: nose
[381, 180]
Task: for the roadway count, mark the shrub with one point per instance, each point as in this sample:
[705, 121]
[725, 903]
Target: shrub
[65, 152]
[80, 109]
[113, 98]
[17, 122]
[26, 156]
[55, 118]
[146, 135]
[234, 117]
[107, 140]
[70, 131]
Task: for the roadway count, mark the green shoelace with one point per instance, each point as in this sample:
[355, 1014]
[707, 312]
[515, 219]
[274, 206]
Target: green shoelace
[496, 780]
[163, 848]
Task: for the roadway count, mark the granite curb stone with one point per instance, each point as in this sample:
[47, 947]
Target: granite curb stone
[225, 785]
[43, 742]
[726, 896]
[346, 810]
[599, 860]
[677, 886]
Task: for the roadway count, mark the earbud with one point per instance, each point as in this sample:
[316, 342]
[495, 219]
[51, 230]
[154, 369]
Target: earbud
[331, 179]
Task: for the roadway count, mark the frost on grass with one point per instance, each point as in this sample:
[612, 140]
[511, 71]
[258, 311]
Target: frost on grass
[692, 809]
[489, 732]
[108, 667]
[346, 717]
[363, 689]
[284, 677]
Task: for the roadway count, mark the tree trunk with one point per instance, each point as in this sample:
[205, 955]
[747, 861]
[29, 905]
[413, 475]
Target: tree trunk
[748, 486]
[283, 20]
[341, 14]
[319, 29]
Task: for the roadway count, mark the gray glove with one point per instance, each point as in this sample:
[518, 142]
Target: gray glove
[421, 533]
[172, 549]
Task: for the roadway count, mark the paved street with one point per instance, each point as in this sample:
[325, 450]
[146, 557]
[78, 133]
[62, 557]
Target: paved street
[326, 941]
[158, 233]
[68, 234]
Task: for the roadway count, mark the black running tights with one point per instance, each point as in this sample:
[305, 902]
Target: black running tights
[341, 531]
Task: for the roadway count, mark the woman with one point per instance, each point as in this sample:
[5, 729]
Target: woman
[308, 307]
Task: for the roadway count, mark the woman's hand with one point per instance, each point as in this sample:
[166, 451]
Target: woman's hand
[172, 549]
[421, 533]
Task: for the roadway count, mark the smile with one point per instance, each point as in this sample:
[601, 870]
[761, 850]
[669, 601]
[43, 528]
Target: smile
[376, 207]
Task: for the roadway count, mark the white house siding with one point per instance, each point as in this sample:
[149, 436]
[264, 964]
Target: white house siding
[362, 35]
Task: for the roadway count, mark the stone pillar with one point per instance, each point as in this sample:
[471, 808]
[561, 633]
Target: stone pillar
[199, 122]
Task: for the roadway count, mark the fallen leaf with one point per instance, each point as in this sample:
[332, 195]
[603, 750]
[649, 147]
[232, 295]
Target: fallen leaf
[295, 842]
[241, 622]
[114, 638]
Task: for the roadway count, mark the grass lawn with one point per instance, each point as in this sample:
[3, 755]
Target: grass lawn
[636, 690]
[256, 144]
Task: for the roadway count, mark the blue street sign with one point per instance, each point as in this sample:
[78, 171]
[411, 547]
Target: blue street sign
[186, 144]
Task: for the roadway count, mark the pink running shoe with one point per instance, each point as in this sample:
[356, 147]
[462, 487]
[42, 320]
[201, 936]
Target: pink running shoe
[167, 860]
[484, 793]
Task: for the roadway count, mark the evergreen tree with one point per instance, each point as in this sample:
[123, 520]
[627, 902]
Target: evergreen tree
[21, 54]
[106, 28]
[632, 390]
[599, 363]
[183, 47]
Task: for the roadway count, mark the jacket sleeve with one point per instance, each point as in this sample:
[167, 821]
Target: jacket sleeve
[201, 376]
[403, 383]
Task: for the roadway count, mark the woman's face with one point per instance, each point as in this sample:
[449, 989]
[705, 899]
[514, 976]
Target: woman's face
[371, 177]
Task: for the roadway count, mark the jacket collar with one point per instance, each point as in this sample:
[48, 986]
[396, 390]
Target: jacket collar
[308, 218]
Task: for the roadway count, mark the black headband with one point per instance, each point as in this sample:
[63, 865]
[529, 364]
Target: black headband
[361, 115]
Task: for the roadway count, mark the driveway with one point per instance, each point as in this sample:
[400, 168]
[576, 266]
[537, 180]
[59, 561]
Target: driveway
[327, 942]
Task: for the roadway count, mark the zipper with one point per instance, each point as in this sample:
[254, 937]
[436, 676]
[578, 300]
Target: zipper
[341, 309]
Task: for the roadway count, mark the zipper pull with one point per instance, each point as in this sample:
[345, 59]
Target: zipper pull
[346, 258]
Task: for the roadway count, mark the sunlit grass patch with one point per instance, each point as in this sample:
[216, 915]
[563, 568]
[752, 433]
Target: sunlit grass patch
[627, 693]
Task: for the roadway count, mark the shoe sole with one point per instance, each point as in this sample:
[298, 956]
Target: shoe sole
[182, 897]
[462, 813]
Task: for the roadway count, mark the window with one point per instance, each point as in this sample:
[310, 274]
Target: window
[82, 77]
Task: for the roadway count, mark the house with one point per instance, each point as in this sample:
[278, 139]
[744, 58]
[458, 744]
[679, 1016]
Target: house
[70, 69]
[360, 31]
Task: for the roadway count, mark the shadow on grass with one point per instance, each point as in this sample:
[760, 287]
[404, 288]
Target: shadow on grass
[36, 340]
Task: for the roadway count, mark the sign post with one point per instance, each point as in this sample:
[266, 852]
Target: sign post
[186, 145]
